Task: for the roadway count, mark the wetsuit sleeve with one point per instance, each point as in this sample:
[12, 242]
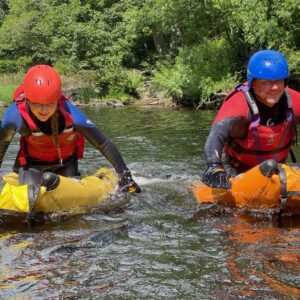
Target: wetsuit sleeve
[89, 130]
[219, 133]
[10, 124]
[231, 121]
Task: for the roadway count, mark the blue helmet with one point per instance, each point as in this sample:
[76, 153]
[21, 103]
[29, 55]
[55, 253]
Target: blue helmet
[267, 64]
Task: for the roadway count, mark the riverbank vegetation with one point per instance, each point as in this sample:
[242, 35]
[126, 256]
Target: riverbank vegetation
[189, 52]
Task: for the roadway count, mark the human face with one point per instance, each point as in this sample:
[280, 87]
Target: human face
[43, 111]
[268, 92]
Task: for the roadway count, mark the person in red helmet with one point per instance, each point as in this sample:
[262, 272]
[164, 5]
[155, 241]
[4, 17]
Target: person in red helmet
[256, 122]
[52, 131]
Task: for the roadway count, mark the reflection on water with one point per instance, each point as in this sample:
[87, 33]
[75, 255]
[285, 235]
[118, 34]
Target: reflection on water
[161, 245]
[264, 257]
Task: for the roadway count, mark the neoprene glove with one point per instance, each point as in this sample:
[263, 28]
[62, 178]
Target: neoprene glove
[230, 171]
[214, 176]
[127, 184]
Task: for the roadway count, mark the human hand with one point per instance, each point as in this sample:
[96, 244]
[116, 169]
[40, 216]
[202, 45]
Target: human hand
[215, 177]
[127, 184]
[231, 172]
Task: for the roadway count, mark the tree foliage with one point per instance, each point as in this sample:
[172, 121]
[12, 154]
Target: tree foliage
[194, 48]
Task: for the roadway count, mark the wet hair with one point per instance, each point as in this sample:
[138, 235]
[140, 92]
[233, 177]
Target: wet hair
[55, 134]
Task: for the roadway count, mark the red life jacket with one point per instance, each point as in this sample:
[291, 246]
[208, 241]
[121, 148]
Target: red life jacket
[262, 142]
[42, 146]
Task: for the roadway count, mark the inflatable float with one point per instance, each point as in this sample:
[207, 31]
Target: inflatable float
[56, 193]
[268, 186]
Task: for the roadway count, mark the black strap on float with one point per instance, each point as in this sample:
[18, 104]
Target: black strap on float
[33, 191]
[284, 193]
[32, 178]
[293, 193]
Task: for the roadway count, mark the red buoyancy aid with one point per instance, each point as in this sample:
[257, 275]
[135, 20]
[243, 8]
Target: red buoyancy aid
[41, 146]
[262, 142]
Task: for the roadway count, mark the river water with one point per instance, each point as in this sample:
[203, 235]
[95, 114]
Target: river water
[159, 244]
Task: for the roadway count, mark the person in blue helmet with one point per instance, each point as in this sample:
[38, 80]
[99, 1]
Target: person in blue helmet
[257, 121]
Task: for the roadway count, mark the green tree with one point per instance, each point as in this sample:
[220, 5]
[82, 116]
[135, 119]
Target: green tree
[195, 48]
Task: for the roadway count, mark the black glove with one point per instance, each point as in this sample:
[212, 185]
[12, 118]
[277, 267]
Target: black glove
[214, 176]
[127, 184]
[230, 171]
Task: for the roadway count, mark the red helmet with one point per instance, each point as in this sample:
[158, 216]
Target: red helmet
[42, 85]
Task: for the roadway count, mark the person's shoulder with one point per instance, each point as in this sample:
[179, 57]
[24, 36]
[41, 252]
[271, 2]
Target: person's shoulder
[233, 107]
[12, 117]
[12, 110]
[293, 93]
[67, 102]
[236, 96]
[295, 99]
[236, 104]
[71, 107]
[79, 118]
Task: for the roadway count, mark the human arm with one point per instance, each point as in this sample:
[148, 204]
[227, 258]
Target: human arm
[6, 137]
[215, 174]
[230, 122]
[112, 154]
[11, 122]
[91, 133]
